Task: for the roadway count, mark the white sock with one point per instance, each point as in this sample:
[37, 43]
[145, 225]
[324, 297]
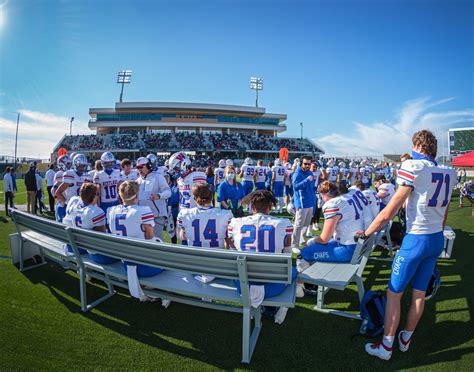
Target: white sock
[280, 315]
[406, 335]
[388, 341]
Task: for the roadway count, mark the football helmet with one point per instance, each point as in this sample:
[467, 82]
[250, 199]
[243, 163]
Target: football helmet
[107, 159]
[352, 164]
[153, 160]
[287, 165]
[80, 162]
[248, 161]
[278, 162]
[229, 162]
[64, 162]
[330, 163]
[221, 163]
[342, 164]
[179, 162]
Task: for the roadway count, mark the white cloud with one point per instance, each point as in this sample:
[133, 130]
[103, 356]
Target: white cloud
[38, 132]
[395, 137]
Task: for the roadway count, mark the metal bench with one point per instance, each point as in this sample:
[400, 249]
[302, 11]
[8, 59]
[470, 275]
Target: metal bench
[334, 275]
[181, 263]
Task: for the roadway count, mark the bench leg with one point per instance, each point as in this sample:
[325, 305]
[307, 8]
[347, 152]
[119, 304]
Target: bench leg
[360, 288]
[83, 289]
[249, 340]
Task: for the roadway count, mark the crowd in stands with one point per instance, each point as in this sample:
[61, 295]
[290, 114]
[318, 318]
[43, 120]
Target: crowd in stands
[185, 141]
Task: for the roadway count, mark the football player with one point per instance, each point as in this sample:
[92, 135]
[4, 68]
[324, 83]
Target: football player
[371, 196]
[108, 180]
[260, 175]
[180, 164]
[64, 164]
[385, 190]
[366, 173]
[426, 187]
[128, 173]
[277, 182]
[219, 173]
[332, 171]
[204, 225]
[262, 233]
[73, 180]
[82, 211]
[343, 173]
[133, 220]
[336, 242]
[247, 174]
[288, 183]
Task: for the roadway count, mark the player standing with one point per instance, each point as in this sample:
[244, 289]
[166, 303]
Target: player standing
[64, 164]
[247, 174]
[260, 175]
[426, 187]
[277, 182]
[332, 171]
[219, 173]
[108, 180]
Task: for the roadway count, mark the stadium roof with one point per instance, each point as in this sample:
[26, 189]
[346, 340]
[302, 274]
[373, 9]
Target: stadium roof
[186, 107]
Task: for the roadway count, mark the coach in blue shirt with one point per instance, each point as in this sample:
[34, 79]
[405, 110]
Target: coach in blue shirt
[304, 199]
[230, 192]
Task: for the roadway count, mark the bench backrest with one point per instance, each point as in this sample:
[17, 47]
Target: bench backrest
[222, 263]
[41, 225]
[363, 250]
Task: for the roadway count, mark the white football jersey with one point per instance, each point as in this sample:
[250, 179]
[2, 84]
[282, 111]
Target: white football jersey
[365, 174]
[248, 172]
[75, 182]
[344, 173]
[260, 233]
[219, 172]
[387, 190]
[279, 172]
[363, 205]
[84, 216]
[58, 178]
[205, 227]
[127, 220]
[374, 202]
[432, 185]
[355, 175]
[393, 173]
[332, 173]
[131, 176]
[317, 177]
[261, 173]
[350, 218]
[185, 185]
[108, 184]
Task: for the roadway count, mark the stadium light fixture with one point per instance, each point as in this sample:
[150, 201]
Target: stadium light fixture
[124, 77]
[70, 126]
[256, 84]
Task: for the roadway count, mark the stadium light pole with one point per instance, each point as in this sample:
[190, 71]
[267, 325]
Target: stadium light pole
[70, 125]
[256, 84]
[123, 78]
[16, 138]
[301, 125]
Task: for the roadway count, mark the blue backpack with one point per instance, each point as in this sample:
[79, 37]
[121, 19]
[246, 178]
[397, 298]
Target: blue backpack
[372, 312]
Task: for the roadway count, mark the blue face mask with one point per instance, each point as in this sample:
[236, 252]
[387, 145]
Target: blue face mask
[417, 156]
[109, 171]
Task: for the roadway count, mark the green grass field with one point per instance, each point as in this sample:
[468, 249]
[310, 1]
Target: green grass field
[20, 195]
[44, 328]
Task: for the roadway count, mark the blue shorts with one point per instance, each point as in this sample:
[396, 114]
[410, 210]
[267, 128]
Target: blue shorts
[277, 189]
[272, 289]
[288, 190]
[60, 212]
[260, 186]
[69, 249]
[415, 261]
[102, 259]
[248, 187]
[144, 271]
[104, 206]
[330, 252]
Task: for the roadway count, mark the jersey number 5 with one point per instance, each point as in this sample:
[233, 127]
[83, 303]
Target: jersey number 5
[119, 219]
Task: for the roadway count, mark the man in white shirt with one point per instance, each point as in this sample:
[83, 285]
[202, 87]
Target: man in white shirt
[8, 189]
[154, 191]
[49, 176]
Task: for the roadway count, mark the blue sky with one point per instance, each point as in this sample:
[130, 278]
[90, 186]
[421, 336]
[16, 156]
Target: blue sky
[340, 67]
